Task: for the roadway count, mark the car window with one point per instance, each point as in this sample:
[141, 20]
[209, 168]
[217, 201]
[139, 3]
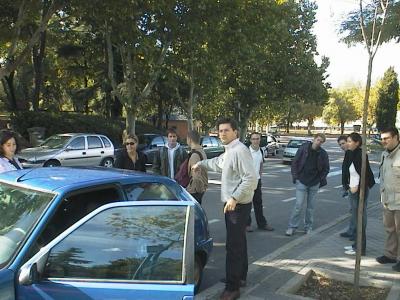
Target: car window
[159, 141]
[295, 143]
[55, 141]
[271, 139]
[106, 142]
[206, 142]
[124, 243]
[263, 141]
[148, 191]
[94, 142]
[145, 139]
[77, 144]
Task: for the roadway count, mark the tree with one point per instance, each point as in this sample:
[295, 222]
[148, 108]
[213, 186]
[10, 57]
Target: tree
[339, 110]
[388, 98]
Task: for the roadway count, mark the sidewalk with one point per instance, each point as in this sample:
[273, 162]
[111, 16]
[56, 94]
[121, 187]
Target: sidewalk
[321, 250]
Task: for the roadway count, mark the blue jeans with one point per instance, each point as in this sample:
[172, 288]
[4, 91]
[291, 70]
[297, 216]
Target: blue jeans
[353, 218]
[307, 193]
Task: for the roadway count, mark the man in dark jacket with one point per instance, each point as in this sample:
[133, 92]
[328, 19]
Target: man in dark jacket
[169, 158]
[310, 168]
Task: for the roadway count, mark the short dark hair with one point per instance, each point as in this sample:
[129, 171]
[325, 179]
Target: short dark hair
[321, 135]
[341, 138]
[355, 137]
[171, 131]
[5, 136]
[392, 130]
[194, 136]
[254, 132]
[230, 121]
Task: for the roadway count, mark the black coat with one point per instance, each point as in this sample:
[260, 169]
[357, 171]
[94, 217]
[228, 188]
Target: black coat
[355, 158]
[123, 161]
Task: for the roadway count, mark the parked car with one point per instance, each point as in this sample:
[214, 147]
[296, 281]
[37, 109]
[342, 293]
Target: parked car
[212, 146]
[291, 149]
[70, 149]
[268, 144]
[149, 143]
[99, 233]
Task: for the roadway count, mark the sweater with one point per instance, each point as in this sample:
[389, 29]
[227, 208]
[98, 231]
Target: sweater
[238, 176]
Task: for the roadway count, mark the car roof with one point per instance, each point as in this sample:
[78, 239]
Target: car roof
[59, 179]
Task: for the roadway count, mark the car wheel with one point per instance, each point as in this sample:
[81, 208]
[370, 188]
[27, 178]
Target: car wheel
[198, 273]
[108, 162]
[52, 163]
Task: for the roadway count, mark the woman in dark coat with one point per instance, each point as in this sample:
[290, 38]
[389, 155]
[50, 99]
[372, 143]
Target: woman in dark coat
[129, 158]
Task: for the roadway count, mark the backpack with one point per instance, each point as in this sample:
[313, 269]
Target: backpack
[182, 176]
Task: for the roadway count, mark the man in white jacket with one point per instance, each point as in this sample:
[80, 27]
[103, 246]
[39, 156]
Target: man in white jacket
[238, 182]
[389, 175]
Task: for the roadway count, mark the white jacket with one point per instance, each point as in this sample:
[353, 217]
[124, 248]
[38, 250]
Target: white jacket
[390, 179]
[6, 166]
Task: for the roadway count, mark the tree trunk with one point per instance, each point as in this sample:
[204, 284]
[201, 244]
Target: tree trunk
[309, 125]
[8, 84]
[342, 127]
[191, 100]
[38, 53]
[130, 122]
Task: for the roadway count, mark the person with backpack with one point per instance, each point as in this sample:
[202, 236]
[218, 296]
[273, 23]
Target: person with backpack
[198, 181]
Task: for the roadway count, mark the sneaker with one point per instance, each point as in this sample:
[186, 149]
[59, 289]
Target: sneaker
[348, 248]
[345, 235]
[249, 229]
[385, 260]
[308, 231]
[396, 267]
[350, 252]
[266, 228]
[352, 238]
[289, 231]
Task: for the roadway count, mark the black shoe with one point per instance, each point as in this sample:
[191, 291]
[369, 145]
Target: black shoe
[352, 238]
[345, 235]
[243, 283]
[385, 260]
[396, 267]
[266, 228]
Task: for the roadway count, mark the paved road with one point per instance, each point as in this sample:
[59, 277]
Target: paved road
[278, 199]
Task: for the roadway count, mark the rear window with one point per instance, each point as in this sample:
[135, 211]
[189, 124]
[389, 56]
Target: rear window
[106, 142]
[148, 191]
[94, 142]
[296, 143]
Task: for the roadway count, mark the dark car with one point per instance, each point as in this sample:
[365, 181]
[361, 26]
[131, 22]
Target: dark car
[149, 143]
[94, 232]
[212, 146]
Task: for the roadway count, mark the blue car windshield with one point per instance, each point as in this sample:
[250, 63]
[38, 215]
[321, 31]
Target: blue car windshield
[295, 143]
[20, 209]
[56, 142]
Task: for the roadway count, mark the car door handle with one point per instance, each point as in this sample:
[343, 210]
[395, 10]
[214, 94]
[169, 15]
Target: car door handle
[102, 152]
[84, 153]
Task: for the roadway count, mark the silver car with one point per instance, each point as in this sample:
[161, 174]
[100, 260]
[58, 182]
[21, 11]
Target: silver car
[70, 149]
[291, 149]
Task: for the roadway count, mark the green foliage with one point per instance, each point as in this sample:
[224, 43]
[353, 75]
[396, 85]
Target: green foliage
[73, 122]
[388, 98]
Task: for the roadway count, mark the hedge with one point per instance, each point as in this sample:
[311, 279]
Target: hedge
[73, 122]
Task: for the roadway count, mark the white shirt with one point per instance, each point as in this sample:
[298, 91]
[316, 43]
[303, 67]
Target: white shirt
[171, 152]
[354, 177]
[6, 166]
[257, 160]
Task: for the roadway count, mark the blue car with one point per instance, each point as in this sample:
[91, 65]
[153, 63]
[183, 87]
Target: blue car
[98, 233]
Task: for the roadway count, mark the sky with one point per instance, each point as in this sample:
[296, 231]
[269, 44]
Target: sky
[349, 65]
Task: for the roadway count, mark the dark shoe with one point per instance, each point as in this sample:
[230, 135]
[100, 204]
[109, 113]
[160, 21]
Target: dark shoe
[230, 295]
[249, 229]
[243, 283]
[352, 238]
[385, 260]
[345, 235]
[396, 267]
[266, 228]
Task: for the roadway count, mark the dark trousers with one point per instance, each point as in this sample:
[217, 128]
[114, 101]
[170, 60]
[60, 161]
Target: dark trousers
[258, 207]
[198, 196]
[236, 246]
[354, 198]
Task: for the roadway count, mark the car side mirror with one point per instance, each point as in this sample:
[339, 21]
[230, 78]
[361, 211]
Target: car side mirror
[31, 271]
[204, 146]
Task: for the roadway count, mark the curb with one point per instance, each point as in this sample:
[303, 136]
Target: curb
[215, 289]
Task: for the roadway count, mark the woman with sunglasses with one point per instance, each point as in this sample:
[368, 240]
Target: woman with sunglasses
[8, 148]
[129, 158]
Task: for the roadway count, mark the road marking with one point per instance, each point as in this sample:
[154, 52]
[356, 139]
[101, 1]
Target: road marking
[289, 199]
[213, 221]
[214, 181]
[337, 187]
[334, 173]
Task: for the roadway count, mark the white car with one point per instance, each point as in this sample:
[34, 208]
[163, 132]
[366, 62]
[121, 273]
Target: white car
[292, 147]
[70, 149]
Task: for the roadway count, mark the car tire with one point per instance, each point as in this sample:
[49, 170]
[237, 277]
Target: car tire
[198, 273]
[52, 163]
[107, 162]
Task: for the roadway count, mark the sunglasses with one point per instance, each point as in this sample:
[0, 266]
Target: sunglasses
[130, 143]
